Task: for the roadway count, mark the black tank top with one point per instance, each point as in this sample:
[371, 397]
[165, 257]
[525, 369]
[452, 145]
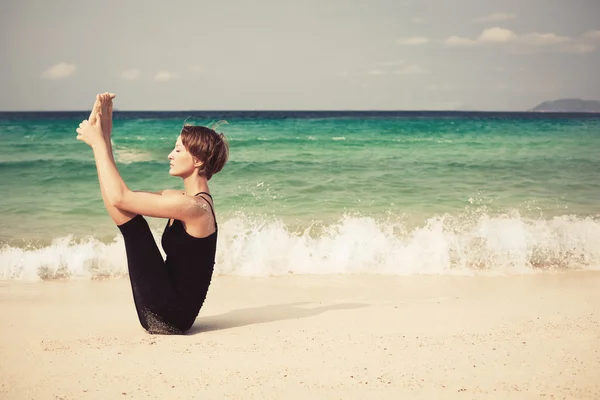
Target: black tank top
[190, 260]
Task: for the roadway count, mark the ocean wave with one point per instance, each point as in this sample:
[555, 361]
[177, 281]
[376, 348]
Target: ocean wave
[128, 156]
[256, 246]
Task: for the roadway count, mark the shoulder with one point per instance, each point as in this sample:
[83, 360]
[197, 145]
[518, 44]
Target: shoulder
[196, 206]
[202, 204]
[179, 200]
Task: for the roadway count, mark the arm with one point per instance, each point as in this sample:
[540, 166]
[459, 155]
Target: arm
[166, 204]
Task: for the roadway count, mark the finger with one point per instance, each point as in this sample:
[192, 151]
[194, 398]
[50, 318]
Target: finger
[95, 107]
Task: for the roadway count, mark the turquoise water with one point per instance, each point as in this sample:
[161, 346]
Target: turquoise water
[320, 192]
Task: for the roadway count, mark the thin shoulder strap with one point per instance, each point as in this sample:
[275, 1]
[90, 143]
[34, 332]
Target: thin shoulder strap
[208, 194]
[211, 207]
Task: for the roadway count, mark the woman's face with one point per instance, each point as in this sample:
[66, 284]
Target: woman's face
[182, 162]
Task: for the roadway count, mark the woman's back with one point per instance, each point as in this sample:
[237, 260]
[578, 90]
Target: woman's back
[190, 260]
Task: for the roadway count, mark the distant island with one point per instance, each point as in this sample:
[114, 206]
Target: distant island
[569, 105]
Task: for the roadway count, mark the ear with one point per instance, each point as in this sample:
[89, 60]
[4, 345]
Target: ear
[197, 163]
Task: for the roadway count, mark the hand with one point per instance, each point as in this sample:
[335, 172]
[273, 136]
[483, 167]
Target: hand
[91, 134]
[95, 110]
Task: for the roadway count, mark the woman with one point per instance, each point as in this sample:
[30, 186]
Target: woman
[167, 294]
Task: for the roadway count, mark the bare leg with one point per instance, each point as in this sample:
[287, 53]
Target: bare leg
[104, 104]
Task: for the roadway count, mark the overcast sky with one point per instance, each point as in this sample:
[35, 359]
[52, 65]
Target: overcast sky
[298, 55]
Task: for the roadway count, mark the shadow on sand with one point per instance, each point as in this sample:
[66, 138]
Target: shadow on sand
[260, 315]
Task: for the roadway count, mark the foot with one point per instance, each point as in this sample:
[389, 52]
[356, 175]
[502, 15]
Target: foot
[106, 109]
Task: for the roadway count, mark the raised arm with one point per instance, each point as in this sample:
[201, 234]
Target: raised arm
[167, 204]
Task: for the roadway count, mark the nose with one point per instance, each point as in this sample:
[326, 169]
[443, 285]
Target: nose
[170, 156]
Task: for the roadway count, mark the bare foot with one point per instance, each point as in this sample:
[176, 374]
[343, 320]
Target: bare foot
[106, 107]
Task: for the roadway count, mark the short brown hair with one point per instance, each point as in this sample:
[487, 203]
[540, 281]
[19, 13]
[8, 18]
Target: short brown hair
[208, 146]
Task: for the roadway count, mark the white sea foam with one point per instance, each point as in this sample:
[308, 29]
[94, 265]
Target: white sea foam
[126, 156]
[257, 247]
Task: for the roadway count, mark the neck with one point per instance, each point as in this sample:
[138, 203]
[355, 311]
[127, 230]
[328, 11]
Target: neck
[194, 184]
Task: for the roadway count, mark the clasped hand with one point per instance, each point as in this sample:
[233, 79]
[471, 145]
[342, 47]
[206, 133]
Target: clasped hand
[90, 134]
[90, 130]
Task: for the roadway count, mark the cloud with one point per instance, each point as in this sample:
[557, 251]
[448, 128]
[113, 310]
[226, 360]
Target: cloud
[413, 41]
[497, 35]
[459, 41]
[196, 68]
[496, 17]
[587, 43]
[488, 36]
[131, 74]
[592, 35]
[59, 71]
[581, 48]
[543, 39]
[398, 67]
[164, 76]
[531, 42]
[411, 70]
[417, 20]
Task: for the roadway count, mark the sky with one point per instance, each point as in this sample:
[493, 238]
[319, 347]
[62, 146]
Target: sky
[298, 55]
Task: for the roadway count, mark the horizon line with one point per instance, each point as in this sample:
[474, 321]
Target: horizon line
[304, 110]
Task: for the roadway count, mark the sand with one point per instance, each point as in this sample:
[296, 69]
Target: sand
[306, 337]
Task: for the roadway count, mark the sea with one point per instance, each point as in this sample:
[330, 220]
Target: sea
[307, 192]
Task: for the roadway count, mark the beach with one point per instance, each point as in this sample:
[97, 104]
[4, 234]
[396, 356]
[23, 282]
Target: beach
[391, 255]
[381, 205]
[334, 336]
